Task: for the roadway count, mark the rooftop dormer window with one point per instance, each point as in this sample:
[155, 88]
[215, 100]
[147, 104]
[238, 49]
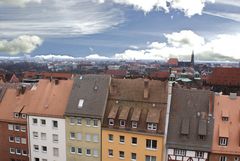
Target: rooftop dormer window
[152, 126]
[122, 123]
[134, 124]
[16, 115]
[111, 122]
[224, 118]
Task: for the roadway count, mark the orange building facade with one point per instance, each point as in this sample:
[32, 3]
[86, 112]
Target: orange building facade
[133, 146]
[226, 137]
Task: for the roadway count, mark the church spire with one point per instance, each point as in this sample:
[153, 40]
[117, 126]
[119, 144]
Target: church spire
[192, 59]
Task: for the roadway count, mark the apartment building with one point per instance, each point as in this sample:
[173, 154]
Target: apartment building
[226, 135]
[46, 123]
[13, 123]
[84, 116]
[190, 127]
[133, 127]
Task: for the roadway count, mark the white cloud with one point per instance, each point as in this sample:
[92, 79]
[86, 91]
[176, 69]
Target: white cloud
[180, 43]
[226, 15]
[21, 44]
[20, 3]
[96, 56]
[59, 18]
[54, 57]
[184, 37]
[189, 7]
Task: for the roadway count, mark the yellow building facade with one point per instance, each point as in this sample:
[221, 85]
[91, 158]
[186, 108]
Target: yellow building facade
[122, 145]
[83, 139]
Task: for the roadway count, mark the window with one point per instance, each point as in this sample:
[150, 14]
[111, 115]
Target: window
[224, 118]
[43, 136]
[72, 135]
[24, 116]
[80, 103]
[12, 150]
[24, 140]
[121, 139]
[122, 123]
[179, 152]
[121, 154]
[79, 136]
[44, 149]
[223, 141]
[55, 124]
[236, 159]
[11, 139]
[88, 122]
[55, 138]
[72, 121]
[24, 152]
[151, 144]
[111, 122]
[88, 137]
[79, 151]
[35, 121]
[55, 152]
[36, 159]
[18, 151]
[133, 156]
[95, 123]
[17, 139]
[72, 150]
[95, 152]
[199, 154]
[134, 124]
[223, 158]
[16, 115]
[10, 126]
[44, 159]
[110, 137]
[110, 152]
[134, 140]
[43, 122]
[36, 147]
[35, 134]
[202, 137]
[17, 128]
[152, 126]
[23, 128]
[88, 152]
[79, 121]
[95, 138]
[150, 158]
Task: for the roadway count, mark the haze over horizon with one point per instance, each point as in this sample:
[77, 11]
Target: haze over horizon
[121, 29]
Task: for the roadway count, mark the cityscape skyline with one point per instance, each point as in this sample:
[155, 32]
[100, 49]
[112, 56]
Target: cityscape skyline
[124, 29]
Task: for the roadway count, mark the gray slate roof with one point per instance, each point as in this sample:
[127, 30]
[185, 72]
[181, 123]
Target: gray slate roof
[189, 118]
[93, 89]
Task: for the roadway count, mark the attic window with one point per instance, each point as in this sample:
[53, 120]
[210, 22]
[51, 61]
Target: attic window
[24, 116]
[111, 122]
[152, 126]
[80, 103]
[134, 124]
[16, 115]
[122, 123]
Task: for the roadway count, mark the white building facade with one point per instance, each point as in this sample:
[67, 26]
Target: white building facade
[47, 138]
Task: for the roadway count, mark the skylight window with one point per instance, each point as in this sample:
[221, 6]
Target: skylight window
[80, 103]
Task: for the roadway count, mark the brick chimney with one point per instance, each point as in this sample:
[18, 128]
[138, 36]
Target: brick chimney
[146, 89]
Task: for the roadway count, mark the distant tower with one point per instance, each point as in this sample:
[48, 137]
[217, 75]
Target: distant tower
[192, 59]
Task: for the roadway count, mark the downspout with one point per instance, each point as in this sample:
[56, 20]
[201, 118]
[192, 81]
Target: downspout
[165, 156]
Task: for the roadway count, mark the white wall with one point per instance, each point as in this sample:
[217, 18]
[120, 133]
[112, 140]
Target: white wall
[49, 130]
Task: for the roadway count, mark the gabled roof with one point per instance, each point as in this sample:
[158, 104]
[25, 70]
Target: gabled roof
[49, 98]
[93, 90]
[12, 102]
[189, 119]
[133, 90]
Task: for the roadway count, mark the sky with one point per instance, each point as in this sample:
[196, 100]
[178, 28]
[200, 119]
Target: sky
[120, 29]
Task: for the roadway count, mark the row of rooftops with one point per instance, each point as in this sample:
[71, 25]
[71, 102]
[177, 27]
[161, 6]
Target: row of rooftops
[85, 96]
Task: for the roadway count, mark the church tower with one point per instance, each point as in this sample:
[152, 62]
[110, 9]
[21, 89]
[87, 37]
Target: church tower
[192, 59]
